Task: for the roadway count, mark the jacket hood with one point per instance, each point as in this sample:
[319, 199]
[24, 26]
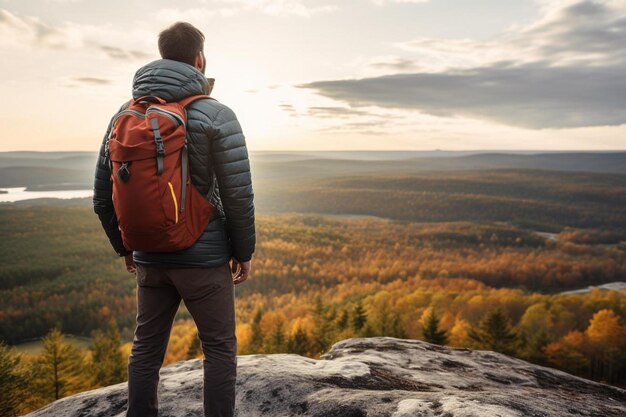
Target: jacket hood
[169, 80]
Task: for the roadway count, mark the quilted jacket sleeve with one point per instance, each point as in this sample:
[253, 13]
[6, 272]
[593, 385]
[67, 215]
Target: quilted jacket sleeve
[232, 169]
[103, 201]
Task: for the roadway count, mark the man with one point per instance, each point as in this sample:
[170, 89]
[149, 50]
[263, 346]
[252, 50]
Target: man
[203, 275]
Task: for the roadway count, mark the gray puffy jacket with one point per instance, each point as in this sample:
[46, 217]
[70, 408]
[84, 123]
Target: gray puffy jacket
[217, 149]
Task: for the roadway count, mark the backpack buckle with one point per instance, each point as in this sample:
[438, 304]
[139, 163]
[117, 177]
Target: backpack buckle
[123, 173]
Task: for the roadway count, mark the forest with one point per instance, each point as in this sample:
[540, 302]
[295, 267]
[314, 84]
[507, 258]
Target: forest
[536, 199]
[50, 275]
[480, 260]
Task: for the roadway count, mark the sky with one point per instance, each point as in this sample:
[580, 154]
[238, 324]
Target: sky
[331, 74]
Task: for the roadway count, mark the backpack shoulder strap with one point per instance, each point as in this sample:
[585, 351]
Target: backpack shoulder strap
[185, 155]
[188, 100]
[148, 99]
[185, 103]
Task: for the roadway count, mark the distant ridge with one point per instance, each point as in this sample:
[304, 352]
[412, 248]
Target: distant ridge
[572, 161]
[26, 168]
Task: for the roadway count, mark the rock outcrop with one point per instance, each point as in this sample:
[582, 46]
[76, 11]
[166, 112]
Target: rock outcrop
[373, 377]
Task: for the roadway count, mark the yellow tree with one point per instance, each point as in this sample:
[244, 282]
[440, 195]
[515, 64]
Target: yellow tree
[568, 353]
[459, 332]
[60, 369]
[13, 381]
[607, 342]
[536, 327]
[379, 312]
[108, 365]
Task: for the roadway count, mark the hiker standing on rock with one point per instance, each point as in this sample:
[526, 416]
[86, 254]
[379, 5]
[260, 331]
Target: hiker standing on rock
[173, 192]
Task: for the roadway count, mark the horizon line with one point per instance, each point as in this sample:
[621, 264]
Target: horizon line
[379, 150]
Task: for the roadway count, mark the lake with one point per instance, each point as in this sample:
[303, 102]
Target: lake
[11, 195]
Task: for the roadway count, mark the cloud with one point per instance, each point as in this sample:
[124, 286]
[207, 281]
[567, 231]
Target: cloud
[92, 80]
[394, 63]
[566, 70]
[289, 108]
[227, 8]
[435, 55]
[19, 30]
[124, 54]
[530, 95]
[586, 31]
[330, 112]
[284, 8]
[31, 29]
[334, 112]
[574, 32]
[81, 82]
[383, 2]
[364, 128]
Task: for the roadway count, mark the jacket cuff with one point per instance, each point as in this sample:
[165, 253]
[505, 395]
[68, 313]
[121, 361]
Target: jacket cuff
[243, 258]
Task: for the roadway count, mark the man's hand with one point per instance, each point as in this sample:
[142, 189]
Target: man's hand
[130, 264]
[240, 270]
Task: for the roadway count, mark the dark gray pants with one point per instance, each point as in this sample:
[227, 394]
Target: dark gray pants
[209, 295]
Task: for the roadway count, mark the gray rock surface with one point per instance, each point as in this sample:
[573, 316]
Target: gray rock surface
[373, 377]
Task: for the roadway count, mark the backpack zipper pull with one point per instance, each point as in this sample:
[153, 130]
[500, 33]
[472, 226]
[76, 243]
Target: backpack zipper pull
[123, 173]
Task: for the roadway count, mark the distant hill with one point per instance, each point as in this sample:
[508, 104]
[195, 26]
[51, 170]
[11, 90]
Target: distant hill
[77, 167]
[266, 168]
[536, 199]
[538, 191]
[42, 155]
[42, 177]
[581, 161]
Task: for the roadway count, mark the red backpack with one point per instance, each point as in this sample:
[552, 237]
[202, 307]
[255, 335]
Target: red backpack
[158, 208]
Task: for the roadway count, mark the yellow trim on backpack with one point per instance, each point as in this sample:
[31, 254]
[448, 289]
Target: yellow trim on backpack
[174, 198]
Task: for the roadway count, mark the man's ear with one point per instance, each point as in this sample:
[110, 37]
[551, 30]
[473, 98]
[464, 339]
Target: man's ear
[200, 61]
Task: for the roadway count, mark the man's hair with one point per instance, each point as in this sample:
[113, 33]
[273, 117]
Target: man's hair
[181, 42]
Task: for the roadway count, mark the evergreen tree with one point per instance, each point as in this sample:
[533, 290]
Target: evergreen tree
[256, 340]
[368, 331]
[60, 369]
[532, 347]
[323, 335]
[431, 331]
[277, 339]
[298, 342]
[13, 381]
[359, 317]
[195, 348]
[494, 332]
[331, 315]
[108, 364]
[397, 329]
[342, 323]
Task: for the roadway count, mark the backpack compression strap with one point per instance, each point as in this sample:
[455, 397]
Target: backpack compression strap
[158, 141]
[106, 159]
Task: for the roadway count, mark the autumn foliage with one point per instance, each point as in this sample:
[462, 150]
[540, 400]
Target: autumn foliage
[318, 279]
